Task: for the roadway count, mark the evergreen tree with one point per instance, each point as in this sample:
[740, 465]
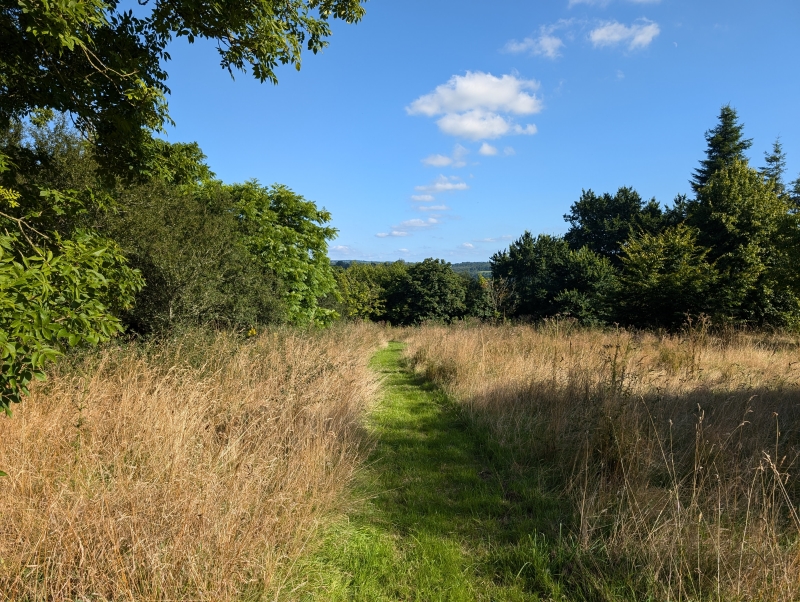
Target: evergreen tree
[775, 167]
[748, 231]
[794, 194]
[725, 145]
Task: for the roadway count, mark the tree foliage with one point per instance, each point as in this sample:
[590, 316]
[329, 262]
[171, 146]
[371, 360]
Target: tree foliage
[725, 144]
[665, 277]
[746, 228]
[429, 290]
[57, 290]
[105, 65]
[289, 237]
[547, 277]
[603, 223]
[730, 252]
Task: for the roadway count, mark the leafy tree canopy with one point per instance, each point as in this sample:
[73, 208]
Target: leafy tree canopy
[547, 277]
[665, 277]
[429, 290]
[604, 223]
[105, 66]
[288, 236]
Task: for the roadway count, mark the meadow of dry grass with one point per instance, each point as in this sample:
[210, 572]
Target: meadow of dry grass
[677, 453]
[196, 469]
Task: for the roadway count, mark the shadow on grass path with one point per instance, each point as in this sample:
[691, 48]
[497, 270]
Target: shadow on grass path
[444, 518]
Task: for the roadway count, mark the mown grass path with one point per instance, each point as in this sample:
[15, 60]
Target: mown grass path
[442, 517]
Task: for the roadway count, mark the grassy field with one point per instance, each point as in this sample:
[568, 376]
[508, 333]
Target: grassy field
[194, 469]
[676, 454]
[469, 462]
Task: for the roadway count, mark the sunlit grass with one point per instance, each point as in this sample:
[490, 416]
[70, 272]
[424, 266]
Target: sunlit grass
[438, 515]
[675, 454]
[193, 469]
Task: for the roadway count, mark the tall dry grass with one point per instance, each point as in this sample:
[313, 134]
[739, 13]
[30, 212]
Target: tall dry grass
[677, 453]
[196, 469]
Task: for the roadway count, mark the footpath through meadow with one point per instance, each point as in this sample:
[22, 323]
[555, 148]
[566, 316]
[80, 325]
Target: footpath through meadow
[441, 516]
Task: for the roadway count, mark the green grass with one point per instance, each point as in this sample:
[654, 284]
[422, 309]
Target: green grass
[442, 514]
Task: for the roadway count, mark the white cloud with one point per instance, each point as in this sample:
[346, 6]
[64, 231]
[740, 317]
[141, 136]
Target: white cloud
[479, 125]
[509, 150]
[443, 184]
[420, 223]
[479, 91]
[637, 35]
[422, 197]
[474, 125]
[437, 161]
[470, 105]
[393, 233]
[433, 208]
[467, 245]
[487, 150]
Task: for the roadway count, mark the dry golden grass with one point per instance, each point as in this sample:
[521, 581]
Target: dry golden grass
[677, 453]
[196, 469]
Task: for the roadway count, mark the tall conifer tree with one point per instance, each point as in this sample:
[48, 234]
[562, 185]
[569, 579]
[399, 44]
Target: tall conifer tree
[725, 145]
[775, 167]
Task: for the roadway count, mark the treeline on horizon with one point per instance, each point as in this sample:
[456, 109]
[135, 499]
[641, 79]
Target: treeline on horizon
[729, 252]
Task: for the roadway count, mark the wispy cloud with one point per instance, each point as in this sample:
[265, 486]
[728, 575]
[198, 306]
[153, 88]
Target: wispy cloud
[549, 41]
[545, 43]
[487, 150]
[455, 160]
[437, 161]
[423, 198]
[638, 35]
[419, 223]
[467, 245]
[473, 106]
[542, 45]
[509, 150]
[433, 208]
[442, 184]
[393, 233]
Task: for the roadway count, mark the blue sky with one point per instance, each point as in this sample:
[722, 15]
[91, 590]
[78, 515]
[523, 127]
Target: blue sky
[447, 128]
